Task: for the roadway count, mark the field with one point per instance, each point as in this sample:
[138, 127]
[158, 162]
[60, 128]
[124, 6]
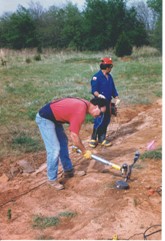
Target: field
[90, 207]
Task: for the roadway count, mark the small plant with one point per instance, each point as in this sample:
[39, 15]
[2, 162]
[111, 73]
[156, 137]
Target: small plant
[9, 214]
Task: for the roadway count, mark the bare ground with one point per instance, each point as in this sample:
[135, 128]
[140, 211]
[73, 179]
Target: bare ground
[101, 211]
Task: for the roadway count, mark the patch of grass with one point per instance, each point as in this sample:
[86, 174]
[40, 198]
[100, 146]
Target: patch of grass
[67, 214]
[45, 222]
[154, 154]
[25, 143]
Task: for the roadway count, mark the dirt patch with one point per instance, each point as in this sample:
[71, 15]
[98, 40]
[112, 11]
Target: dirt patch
[100, 210]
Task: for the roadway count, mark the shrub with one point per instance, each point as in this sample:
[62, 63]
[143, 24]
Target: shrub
[28, 60]
[37, 57]
[123, 46]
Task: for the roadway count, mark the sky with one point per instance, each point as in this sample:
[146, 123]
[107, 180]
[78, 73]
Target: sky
[11, 5]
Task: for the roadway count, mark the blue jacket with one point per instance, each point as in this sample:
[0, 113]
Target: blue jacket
[103, 85]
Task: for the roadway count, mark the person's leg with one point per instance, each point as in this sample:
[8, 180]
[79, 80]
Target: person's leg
[102, 129]
[97, 122]
[64, 153]
[49, 136]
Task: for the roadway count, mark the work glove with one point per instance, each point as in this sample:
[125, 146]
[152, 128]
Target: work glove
[117, 102]
[101, 96]
[87, 154]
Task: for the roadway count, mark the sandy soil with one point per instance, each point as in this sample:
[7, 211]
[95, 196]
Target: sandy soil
[100, 211]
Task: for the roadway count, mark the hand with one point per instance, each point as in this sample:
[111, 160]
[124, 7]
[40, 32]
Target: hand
[117, 102]
[75, 149]
[88, 154]
[101, 96]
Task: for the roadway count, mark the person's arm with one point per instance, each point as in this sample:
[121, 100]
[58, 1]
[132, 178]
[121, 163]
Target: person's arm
[117, 100]
[96, 93]
[78, 143]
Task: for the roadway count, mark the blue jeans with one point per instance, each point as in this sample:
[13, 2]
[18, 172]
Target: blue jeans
[56, 144]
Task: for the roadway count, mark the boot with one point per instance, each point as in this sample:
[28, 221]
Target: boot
[93, 142]
[72, 172]
[102, 140]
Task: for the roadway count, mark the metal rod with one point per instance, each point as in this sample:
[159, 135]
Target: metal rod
[100, 159]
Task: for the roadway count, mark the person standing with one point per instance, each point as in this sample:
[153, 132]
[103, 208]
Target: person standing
[50, 120]
[103, 86]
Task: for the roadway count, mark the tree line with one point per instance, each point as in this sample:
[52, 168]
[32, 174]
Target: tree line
[100, 25]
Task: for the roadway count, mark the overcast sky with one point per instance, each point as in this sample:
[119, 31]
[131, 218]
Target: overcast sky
[11, 5]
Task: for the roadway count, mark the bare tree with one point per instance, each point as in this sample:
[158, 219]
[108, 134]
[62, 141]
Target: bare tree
[145, 14]
[36, 10]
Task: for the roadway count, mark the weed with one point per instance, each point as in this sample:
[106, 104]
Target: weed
[9, 214]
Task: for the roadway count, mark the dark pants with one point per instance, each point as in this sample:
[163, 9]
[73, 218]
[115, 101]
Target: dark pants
[100, 125]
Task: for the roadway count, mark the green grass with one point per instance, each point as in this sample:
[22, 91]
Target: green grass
[45, 222]
[25, 143]
[25, 86]
[42, 222]
[67, 214]
[154, 154]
